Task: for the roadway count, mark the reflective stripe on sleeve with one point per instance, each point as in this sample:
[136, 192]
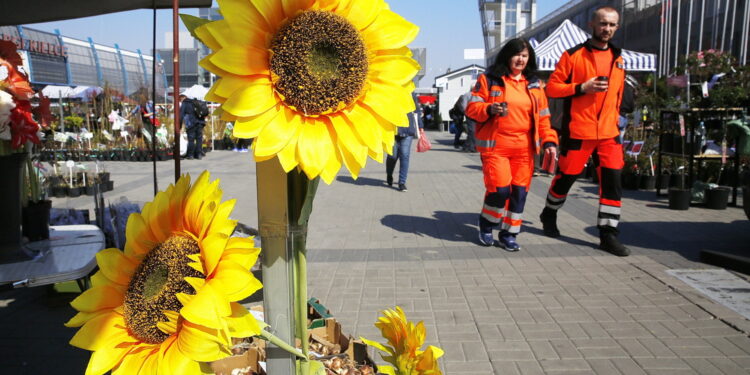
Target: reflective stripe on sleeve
[496, 93]
[476, 99]
[544, 112]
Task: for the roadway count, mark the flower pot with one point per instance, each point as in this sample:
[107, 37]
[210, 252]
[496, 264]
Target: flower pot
[663, 181]
[648, 183]
[90, 190]
[36, 220]
[718, 197]
[677, 143]
[746, 200]
[10, 200]
[678, 181]
[218, 144]
[60, 191]
[103, 176]
[74, 192]
[109, 185]
[679, 199]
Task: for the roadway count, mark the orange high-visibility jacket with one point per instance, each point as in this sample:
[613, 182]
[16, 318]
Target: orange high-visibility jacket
[488, 90]
[580, 120]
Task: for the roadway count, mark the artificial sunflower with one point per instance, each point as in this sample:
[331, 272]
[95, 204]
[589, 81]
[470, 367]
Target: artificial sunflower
[168, 302]
[404, 342]
[318, 83]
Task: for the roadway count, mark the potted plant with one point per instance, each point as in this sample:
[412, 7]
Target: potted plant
[36, 210]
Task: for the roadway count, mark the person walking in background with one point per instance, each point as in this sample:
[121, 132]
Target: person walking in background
[457, 116]
[402, 148]
[590, 77]
[512, 116]
[627, 105]
[193, 126]
[469, 124]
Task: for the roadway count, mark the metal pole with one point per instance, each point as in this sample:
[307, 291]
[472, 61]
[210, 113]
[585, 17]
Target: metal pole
[153, 100]
[677, 33]
[724, 28]
[669, 38]
[62, 112]
[745, 27]
[687, 48]
[700, 32]
[176, 85]
[661, 40]
[734, 19]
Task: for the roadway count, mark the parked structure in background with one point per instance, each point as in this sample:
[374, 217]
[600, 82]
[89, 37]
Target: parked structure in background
[54, 59]
[503, 20]
[668, 28]
[453, 84]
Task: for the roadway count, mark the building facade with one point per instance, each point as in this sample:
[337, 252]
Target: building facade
[502, 20]
[190, 72]
[669, 29]
[53, 59]
[453, 84]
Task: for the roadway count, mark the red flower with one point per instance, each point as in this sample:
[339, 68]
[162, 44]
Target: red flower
[22, 126]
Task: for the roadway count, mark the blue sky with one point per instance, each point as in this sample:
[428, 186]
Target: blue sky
[447, 27]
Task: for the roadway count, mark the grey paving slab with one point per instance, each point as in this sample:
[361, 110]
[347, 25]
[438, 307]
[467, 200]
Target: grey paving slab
[559, 306]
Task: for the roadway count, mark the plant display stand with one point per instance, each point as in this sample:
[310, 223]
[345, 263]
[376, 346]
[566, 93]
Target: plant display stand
[688, 147]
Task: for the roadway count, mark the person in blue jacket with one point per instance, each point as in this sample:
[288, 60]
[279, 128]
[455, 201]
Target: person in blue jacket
[402, 147]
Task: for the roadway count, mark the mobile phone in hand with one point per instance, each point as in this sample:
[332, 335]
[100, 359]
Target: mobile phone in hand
[602, 78]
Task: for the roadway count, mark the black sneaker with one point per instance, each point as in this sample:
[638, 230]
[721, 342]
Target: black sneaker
[549, 222]
[611, 244]
[389, 180]
[402, 187]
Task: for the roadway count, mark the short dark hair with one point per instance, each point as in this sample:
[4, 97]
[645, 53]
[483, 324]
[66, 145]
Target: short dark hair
[501, 65]
[603, 7]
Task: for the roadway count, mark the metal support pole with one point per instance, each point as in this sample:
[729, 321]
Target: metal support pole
[176, 84]
[277, 261]
[700, 32]
[677, 33]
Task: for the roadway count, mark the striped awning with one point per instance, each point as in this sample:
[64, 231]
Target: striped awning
[568, 35]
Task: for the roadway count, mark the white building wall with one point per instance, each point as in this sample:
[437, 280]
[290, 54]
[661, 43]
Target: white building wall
[452, 87]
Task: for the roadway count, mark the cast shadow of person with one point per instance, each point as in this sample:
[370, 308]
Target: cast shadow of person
[361, 181]
[444, 225]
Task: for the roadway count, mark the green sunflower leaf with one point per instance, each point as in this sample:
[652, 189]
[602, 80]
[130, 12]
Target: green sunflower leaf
[192, 23]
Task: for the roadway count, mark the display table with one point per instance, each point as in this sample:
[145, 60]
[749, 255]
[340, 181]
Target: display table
[69, 254]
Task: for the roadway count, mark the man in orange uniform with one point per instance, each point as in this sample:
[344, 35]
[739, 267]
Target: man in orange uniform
[512, 117]
[590, 77]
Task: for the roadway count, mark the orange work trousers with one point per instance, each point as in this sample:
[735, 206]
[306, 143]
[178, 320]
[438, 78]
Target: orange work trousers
[507, 177]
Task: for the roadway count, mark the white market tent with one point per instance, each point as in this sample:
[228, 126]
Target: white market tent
[55, 92]
[568, 35]
[196, 92]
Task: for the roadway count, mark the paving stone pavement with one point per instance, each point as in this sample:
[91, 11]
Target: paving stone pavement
[559, 306]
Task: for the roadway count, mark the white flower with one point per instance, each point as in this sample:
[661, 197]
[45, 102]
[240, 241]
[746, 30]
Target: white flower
[6, 106]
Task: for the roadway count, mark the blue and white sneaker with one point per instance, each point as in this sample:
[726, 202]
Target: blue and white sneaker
[486, 239]
[508, 241]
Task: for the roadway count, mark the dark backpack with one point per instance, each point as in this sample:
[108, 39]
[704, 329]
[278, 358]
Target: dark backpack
[201, 108]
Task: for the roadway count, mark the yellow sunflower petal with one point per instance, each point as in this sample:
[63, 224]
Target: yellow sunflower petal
[221, 222]
[361, 120]
[246, 257]
[251, 100]
[139, 237]
[82, 317]
[271, 11]
[362, 13]
[250, 127]
[241, 15]
[382, 97]
[98, 298]
[173, 361]
[331, 168]
[115, 265]
[292, 7]
[110, 354]
[97, 331]
[133, 362]
[288, 155]
[199, 343]
[242, 60]
[388, 31]
[205, 36]
[277, 133]
[314, 147]
[242, 323]
[350, 161]
[228, 85]
[396, 69]
[206, 308]
[211, 249]
[235, 281]
[346, 137]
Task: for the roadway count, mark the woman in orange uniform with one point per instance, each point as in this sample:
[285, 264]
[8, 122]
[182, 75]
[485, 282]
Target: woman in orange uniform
[513, 121]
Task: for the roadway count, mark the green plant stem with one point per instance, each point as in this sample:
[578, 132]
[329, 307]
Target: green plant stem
[300, 291]
[270, 337]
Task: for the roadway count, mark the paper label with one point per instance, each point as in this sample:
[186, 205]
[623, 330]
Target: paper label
[682, 125]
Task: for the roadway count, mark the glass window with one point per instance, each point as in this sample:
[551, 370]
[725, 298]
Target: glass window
[526, 5]
[510, 31]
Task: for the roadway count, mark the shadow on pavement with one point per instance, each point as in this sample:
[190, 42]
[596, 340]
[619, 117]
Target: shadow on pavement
[474, 167]
[363, 181]
[449, 226]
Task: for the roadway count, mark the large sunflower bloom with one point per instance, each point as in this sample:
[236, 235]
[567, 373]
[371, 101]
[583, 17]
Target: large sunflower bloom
[168, 302]
[318, 83]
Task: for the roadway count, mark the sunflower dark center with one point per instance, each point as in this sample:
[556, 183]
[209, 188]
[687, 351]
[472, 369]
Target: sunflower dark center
[155, 284]
[320, 60]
